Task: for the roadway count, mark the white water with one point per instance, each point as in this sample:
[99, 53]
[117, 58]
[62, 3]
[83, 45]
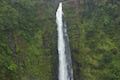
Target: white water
[65, 71]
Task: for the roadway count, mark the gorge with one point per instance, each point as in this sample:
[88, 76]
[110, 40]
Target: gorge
[85, 42]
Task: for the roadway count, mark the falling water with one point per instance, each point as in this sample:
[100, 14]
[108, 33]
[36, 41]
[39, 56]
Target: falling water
[65, 67]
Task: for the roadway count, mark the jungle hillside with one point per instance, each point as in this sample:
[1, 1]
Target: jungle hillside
[28, 39]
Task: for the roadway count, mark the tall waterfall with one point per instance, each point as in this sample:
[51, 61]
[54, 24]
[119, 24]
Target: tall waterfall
[65, 64]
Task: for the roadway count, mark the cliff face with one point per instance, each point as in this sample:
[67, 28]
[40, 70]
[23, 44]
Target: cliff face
[91, 28]
[28, 39]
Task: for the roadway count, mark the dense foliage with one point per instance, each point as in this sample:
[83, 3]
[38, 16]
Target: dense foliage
[25, 40]
[28, 39]
[95, 41]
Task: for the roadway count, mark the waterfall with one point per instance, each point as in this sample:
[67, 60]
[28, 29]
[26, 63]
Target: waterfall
[65, 63]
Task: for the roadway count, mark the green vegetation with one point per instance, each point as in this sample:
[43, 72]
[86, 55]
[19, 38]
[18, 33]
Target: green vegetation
[27, 48]
[28, 39]
[95, 42]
